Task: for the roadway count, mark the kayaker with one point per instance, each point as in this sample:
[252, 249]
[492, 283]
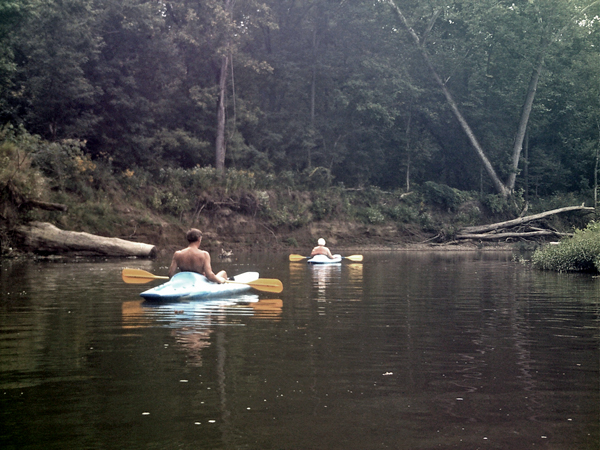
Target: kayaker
[320, 249]
[192, 259]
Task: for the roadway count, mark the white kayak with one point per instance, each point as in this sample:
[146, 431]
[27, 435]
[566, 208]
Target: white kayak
[323, 259]
[188, 285]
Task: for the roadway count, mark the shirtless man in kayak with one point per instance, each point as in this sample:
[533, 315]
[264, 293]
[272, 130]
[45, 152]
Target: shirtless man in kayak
[192, 259]
[320, 249]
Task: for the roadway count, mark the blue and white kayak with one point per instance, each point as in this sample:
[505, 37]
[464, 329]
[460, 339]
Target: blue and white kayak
[323, 259]
[188, 285]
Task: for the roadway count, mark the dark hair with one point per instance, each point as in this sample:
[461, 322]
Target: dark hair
[193, 235]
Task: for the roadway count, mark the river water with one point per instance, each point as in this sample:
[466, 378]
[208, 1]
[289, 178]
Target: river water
[406, 350]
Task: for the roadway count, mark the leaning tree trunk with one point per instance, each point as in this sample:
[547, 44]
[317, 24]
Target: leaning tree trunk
[500, 187]
[518, 145]
[523, 220]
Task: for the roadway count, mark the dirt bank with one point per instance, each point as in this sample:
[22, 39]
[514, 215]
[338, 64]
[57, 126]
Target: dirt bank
[236, 233]
[244, 230]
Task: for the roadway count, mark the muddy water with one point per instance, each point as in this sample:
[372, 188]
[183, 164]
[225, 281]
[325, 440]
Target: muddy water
[404, 351]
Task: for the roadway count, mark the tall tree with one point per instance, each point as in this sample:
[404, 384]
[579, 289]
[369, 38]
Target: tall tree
[227, 54]
[545, 22]
[53, 51]
[12, 15]
[212, 37]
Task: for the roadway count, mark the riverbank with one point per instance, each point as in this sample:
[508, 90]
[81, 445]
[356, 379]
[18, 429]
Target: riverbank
[240, 212]
[256, 237]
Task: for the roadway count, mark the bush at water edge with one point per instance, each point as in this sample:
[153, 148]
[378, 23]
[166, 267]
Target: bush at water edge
[579, 253]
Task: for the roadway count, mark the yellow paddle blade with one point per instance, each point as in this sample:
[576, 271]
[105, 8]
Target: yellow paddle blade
[296, 258]
[263, 284]
[139, 276]
[355, 258]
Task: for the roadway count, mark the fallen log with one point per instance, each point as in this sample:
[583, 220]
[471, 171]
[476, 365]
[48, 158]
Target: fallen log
[500, 236]
[522, 220]
[46, 205]
[46, 239]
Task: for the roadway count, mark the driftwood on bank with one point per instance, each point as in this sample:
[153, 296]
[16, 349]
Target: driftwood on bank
[523, 220]
[46, 205]
[524, 234]
[495, 231]
[45, 238]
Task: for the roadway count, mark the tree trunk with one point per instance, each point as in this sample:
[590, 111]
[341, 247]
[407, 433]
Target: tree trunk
[220, 144]
[408, 122]
[220, 141]
[596, 167]
[518, 146]
[46, 239]
[46, 205]
[522, 220]
[499, 236]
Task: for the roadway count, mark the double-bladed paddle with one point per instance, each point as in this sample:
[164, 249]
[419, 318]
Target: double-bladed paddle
[139, 276]
[355, 258]
[263, 284]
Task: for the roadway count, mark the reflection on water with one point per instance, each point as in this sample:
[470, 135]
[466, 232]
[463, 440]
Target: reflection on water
[404, 350]
[192, 322]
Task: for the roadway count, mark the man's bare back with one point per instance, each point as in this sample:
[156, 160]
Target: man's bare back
[320, 249]
[192, 259]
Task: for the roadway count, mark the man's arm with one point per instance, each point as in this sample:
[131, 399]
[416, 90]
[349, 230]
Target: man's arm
[173, 267]
[208, 272]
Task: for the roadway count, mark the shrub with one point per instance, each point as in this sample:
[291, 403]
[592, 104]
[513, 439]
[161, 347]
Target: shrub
[325, 204]
[375, 216]
[580, 253]
[169, 203]
[405, 214]
[17, 175]
[442, 195]
[291, 242]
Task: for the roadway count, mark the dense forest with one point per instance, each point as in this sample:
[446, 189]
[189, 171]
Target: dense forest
[487, 95]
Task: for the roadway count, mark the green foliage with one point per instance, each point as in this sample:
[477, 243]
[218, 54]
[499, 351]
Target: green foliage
[171, 203]
[442, 195]
[471, 216]
[19, 179]
[91, 216]
[504, 206]
[558, 200]
[403, 213]
[497, 204]
[426, 222]
[138, 82]
[580, 253]
[294, 215]
[67, 165]
[321, 206]
[375, 216]
[291, 242]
